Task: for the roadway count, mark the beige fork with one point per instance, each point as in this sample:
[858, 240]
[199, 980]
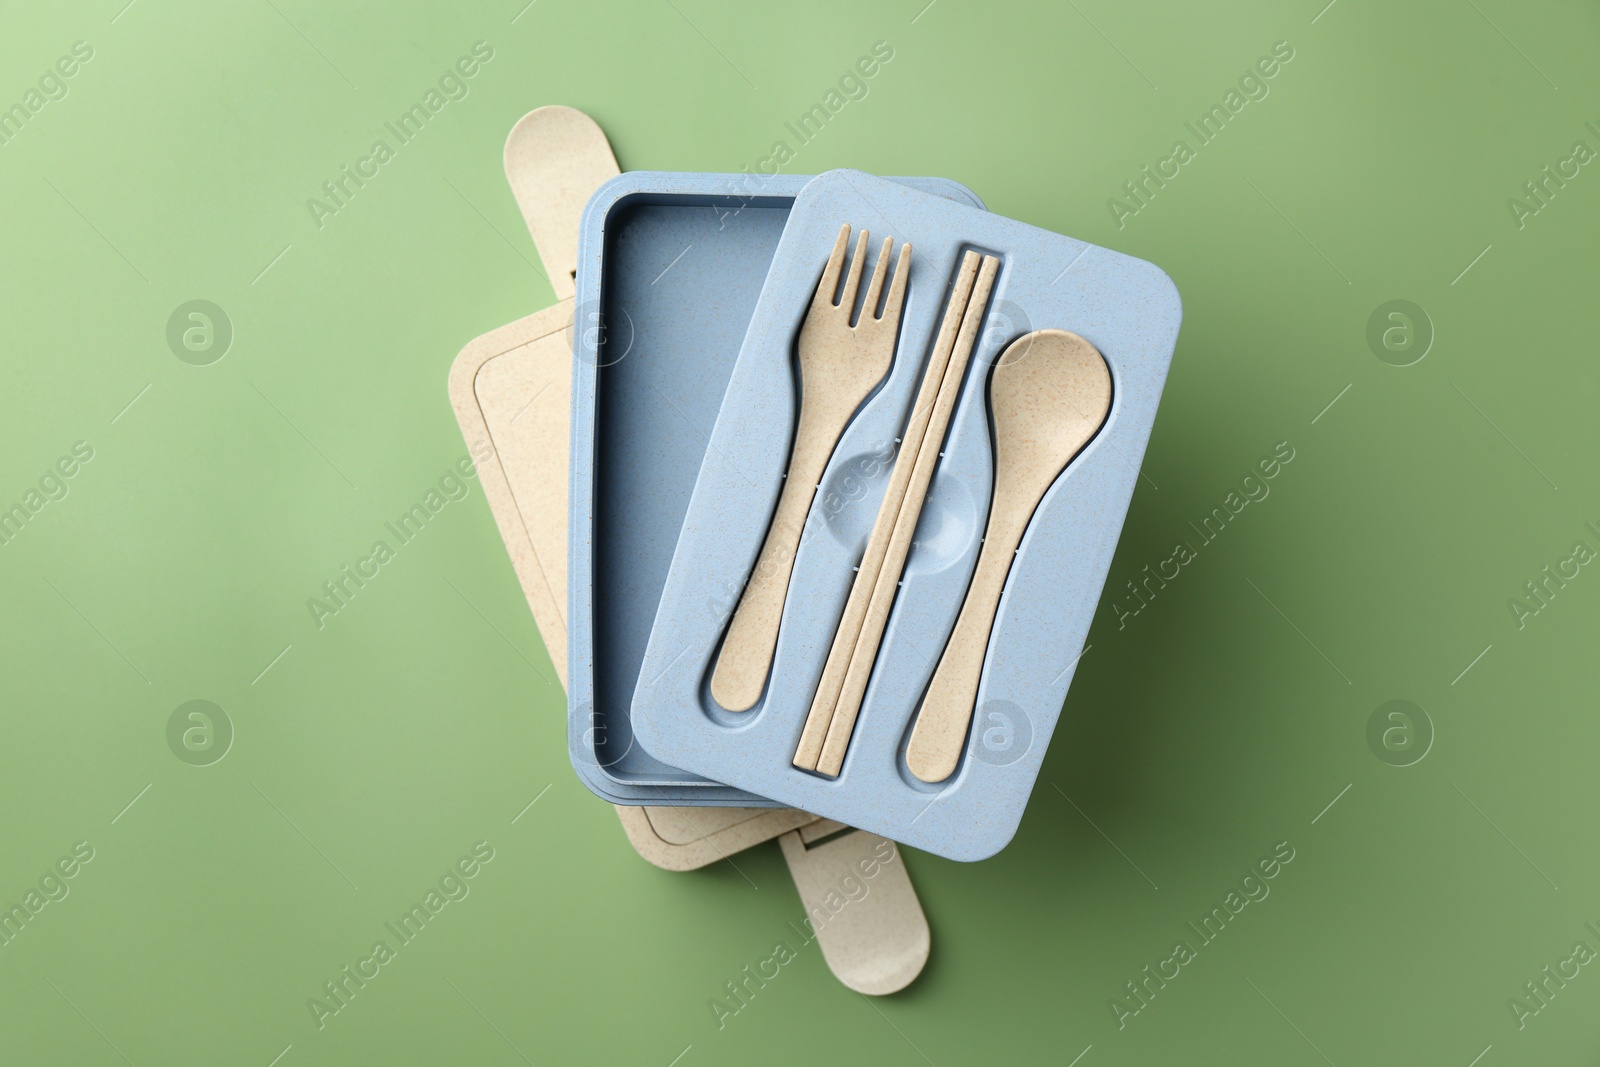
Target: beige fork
[839, 365]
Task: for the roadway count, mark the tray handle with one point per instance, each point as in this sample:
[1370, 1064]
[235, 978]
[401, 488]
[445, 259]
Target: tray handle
[555, 158]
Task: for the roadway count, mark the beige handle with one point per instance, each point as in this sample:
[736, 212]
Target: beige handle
[555, 158]
[936, 740]
[860, 906]
[747, 651]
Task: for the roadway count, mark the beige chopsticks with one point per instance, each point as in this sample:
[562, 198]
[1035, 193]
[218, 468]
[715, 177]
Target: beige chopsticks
[837, 703]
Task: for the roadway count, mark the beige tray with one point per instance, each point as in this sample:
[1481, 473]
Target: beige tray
[511, 391]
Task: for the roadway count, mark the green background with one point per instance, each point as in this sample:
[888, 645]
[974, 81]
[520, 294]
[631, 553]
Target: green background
[1220, 721]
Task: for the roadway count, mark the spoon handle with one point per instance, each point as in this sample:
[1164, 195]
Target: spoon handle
[946, 712]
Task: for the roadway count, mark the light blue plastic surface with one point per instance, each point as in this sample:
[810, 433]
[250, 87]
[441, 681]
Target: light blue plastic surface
[671, 265]
[1126, 307]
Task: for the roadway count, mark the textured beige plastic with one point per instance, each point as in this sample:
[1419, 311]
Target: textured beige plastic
[686, 839]
[685, 826]
[512, 393]
[1049, 396]
[816, 831]
[555, 157]
[865, 655]
[511, 389]
[839, 365]
[860, 904]
[855, 608]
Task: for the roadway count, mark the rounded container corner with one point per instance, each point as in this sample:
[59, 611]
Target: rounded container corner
[1164, 288]
[989, 847]
[603, 199]
[595, 781]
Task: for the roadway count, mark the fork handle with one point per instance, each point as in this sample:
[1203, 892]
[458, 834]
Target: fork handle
[746, 655]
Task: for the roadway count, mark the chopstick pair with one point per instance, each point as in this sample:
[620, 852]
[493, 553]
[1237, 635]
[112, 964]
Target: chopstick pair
[837, 703]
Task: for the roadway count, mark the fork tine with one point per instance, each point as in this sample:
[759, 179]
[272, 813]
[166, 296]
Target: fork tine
[897, 288]
[829, 284]
[869, 307]
[852, 281]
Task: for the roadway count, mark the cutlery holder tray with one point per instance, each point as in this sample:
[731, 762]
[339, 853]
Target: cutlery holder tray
[1124, 306]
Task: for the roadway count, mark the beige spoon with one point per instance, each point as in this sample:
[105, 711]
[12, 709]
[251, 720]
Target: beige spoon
[1049, 395]
[839, 365]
